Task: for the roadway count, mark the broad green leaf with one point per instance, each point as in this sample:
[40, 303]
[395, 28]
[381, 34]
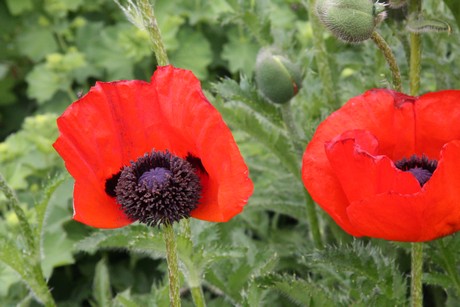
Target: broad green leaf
[240, 52]
[44, 83]
[16, 7]
[36, 43]
[194, 52]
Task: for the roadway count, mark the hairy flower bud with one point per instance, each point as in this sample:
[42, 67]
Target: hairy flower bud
[352, 21]
[277, 78]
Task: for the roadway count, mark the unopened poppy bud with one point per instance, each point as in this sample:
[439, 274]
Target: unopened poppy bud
[352, 21]
[396, 4]
[277, 78]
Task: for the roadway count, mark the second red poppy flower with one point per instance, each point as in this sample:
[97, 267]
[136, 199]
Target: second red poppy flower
[386, 165]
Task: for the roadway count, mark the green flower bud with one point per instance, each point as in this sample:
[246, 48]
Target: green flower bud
[396, 4]
[352, 21]
[277, 78]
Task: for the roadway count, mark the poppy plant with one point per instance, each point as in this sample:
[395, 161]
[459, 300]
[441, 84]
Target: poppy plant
[386, 165]
[154, 152]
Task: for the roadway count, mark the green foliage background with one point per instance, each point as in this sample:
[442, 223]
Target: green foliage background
[51, 51]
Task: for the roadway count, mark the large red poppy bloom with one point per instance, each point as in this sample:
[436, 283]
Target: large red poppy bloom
[387, 165]
[119, 122]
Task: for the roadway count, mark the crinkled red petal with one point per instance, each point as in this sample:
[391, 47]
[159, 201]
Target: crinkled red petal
[362, 173]
[430, 214]
[117, 122]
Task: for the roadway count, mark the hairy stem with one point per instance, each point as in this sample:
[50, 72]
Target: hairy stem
[151, 25]
[416, 275]
[173, 266]
[390, 58]
[415, 7]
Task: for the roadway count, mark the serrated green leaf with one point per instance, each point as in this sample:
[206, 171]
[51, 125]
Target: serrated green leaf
[246, 93]
[365, 274]
[299, 291]
[240, 115]
[11, 256]
[102, 293]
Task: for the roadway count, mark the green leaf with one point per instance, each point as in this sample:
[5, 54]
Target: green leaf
[240, 52]
[44, 83]
[239, 115]
[365, 275]
[102, 293]
[194, 52]
[299, 291]
[246, 93]
[454, 6]
[36, 43]
[16, 7]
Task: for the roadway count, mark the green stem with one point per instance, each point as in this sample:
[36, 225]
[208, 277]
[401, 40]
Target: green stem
[292, 127]
[193, 279]
[23, 222]
[322, 62]
[32, 253]
[198, 297]
[151, 25]
[416, 275]
[415, 7]
[390, 58]
[313, 221]
[173, 266]
[296, 137]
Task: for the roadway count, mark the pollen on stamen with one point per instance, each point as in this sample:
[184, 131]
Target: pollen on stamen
[421, 167]
[158, 188]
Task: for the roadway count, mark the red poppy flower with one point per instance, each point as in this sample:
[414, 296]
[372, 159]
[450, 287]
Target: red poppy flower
[386, 165]
[180, 150]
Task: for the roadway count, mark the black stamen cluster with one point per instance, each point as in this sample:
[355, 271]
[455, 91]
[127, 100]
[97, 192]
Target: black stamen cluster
[421, 167]
[162, 200]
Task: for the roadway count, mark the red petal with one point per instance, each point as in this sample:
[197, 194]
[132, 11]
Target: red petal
[363, 175]
[437, 121]
[206, 136]
[424, 216]
[95, 143]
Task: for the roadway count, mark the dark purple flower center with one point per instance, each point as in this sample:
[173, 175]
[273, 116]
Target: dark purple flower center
[156, 189]
[154, 178]
[421, 167]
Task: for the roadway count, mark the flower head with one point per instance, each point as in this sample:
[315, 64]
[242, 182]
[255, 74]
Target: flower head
[151, 151]
[386, 165]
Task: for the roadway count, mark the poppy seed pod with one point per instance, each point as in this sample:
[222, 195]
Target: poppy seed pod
[352, 21]
[277, 78]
